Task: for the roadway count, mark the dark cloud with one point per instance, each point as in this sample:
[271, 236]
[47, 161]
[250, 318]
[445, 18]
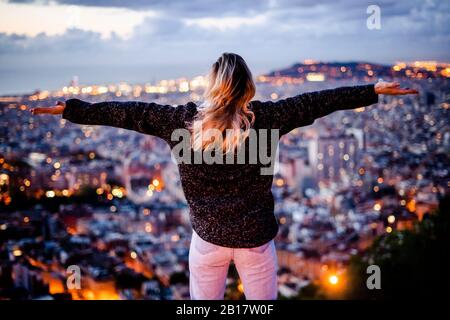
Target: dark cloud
[176, 7]
[73, 40]
[286, 20]
[210, 8]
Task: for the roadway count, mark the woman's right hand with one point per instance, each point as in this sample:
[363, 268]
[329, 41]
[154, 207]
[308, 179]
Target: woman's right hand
[392, 89]
[57, 109]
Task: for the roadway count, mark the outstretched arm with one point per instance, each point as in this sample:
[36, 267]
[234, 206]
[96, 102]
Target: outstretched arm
[150, 118]
[303, 109]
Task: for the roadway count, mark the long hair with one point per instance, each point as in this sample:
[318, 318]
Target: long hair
[225, 110]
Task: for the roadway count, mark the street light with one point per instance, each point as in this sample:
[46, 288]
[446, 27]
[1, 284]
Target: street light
[333, 279]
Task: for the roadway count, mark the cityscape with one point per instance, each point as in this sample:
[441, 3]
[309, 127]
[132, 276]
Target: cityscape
[109, 201]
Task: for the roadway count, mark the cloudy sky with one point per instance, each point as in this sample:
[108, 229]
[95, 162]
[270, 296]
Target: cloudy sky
[43, 43]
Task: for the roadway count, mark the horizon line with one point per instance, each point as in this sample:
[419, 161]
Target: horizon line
[303, 62]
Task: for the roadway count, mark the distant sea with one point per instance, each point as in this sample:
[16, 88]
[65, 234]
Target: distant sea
[27, 80]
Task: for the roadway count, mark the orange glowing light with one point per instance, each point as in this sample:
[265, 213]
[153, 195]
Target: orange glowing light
[333, 279]
[89, 295]
[411, 205]
[279, 182]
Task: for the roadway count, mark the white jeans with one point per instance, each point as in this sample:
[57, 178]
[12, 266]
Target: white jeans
[208, 267]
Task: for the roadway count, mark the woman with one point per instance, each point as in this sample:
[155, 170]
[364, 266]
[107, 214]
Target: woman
[231, 206]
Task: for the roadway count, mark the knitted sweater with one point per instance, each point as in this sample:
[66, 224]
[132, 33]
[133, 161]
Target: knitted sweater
[230, 205]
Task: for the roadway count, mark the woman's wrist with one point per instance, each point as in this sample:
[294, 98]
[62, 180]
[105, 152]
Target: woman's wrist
[376, 87]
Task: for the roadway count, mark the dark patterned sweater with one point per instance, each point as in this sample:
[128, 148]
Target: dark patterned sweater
[230, 205]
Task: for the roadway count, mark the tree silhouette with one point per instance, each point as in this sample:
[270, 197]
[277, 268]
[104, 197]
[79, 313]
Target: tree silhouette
[413, 263]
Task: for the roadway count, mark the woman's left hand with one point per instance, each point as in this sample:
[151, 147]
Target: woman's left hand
[392, 89]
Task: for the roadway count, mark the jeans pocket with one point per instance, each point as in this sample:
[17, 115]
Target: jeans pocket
[261, 249]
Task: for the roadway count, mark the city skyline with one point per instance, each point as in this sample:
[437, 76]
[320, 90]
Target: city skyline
[44, 44]
[294, 73]
[110, 200]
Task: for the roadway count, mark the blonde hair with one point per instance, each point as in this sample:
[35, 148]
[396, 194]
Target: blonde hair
[229, 90]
